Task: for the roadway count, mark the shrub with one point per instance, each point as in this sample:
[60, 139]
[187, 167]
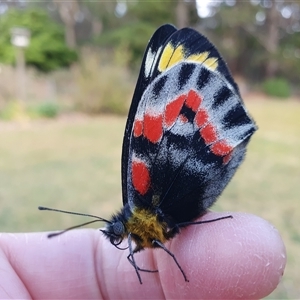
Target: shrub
[14, 110]
[47, 50]
[277, 87]
[44, 110]
[102, 86]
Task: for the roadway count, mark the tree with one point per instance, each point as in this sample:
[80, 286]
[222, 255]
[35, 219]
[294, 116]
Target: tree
[68, 11]
[47, 50]
[139, 20]
[258, 38]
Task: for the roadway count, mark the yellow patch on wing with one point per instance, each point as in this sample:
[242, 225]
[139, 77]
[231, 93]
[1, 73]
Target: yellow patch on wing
[202, 58]
[198, 58]
[155, 200]
[211, 63]
[170, 57]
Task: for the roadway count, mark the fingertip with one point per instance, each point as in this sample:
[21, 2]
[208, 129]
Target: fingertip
[243, 257]
[264, 254]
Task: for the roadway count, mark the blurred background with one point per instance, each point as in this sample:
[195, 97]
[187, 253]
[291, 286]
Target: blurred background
[67, 73]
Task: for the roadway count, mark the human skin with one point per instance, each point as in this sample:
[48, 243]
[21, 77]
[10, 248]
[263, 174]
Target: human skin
[238, 258]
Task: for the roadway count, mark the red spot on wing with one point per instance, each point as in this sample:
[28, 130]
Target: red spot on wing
[227, 158]
[208, 133]
[137, 128]
[201, 117]
[221, 148]
[140, 177]
[193, 100]
[173, 109]
[183, 118]
[153, 128]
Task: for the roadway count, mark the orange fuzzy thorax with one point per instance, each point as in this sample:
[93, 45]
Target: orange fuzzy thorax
[145, 225]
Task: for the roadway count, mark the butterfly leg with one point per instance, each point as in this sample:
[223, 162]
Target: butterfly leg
[161, 245]
[131, 259]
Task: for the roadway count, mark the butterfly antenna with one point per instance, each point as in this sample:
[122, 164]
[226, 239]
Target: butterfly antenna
[73, 213]
[99, 219]
[70, 228]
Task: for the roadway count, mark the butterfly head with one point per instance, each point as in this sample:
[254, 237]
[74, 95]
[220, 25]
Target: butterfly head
[115, 231]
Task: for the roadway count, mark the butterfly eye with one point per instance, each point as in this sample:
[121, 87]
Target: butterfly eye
[115, 241]
[118, 228]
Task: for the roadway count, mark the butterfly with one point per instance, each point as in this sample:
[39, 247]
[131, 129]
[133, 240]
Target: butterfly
[186, 135]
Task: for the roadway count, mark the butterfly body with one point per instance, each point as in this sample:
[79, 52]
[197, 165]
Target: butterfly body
[145, 226]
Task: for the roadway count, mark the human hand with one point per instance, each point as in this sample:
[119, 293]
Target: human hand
[243, 257]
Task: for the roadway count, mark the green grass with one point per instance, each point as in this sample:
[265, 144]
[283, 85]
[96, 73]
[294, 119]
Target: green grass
[75, 165]
[70, 165]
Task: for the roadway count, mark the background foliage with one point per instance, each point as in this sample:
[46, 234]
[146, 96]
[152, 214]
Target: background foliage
[47, 50]
[259, 38]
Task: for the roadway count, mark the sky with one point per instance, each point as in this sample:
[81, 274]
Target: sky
[202, 8]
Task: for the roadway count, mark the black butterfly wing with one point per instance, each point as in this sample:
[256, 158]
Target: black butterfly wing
[189, 132]
[147, 74]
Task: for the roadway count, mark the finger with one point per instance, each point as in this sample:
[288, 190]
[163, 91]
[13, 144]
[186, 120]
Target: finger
[241, 258]
[35, 267]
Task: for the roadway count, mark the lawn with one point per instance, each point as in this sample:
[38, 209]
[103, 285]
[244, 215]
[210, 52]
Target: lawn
[74, 163]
